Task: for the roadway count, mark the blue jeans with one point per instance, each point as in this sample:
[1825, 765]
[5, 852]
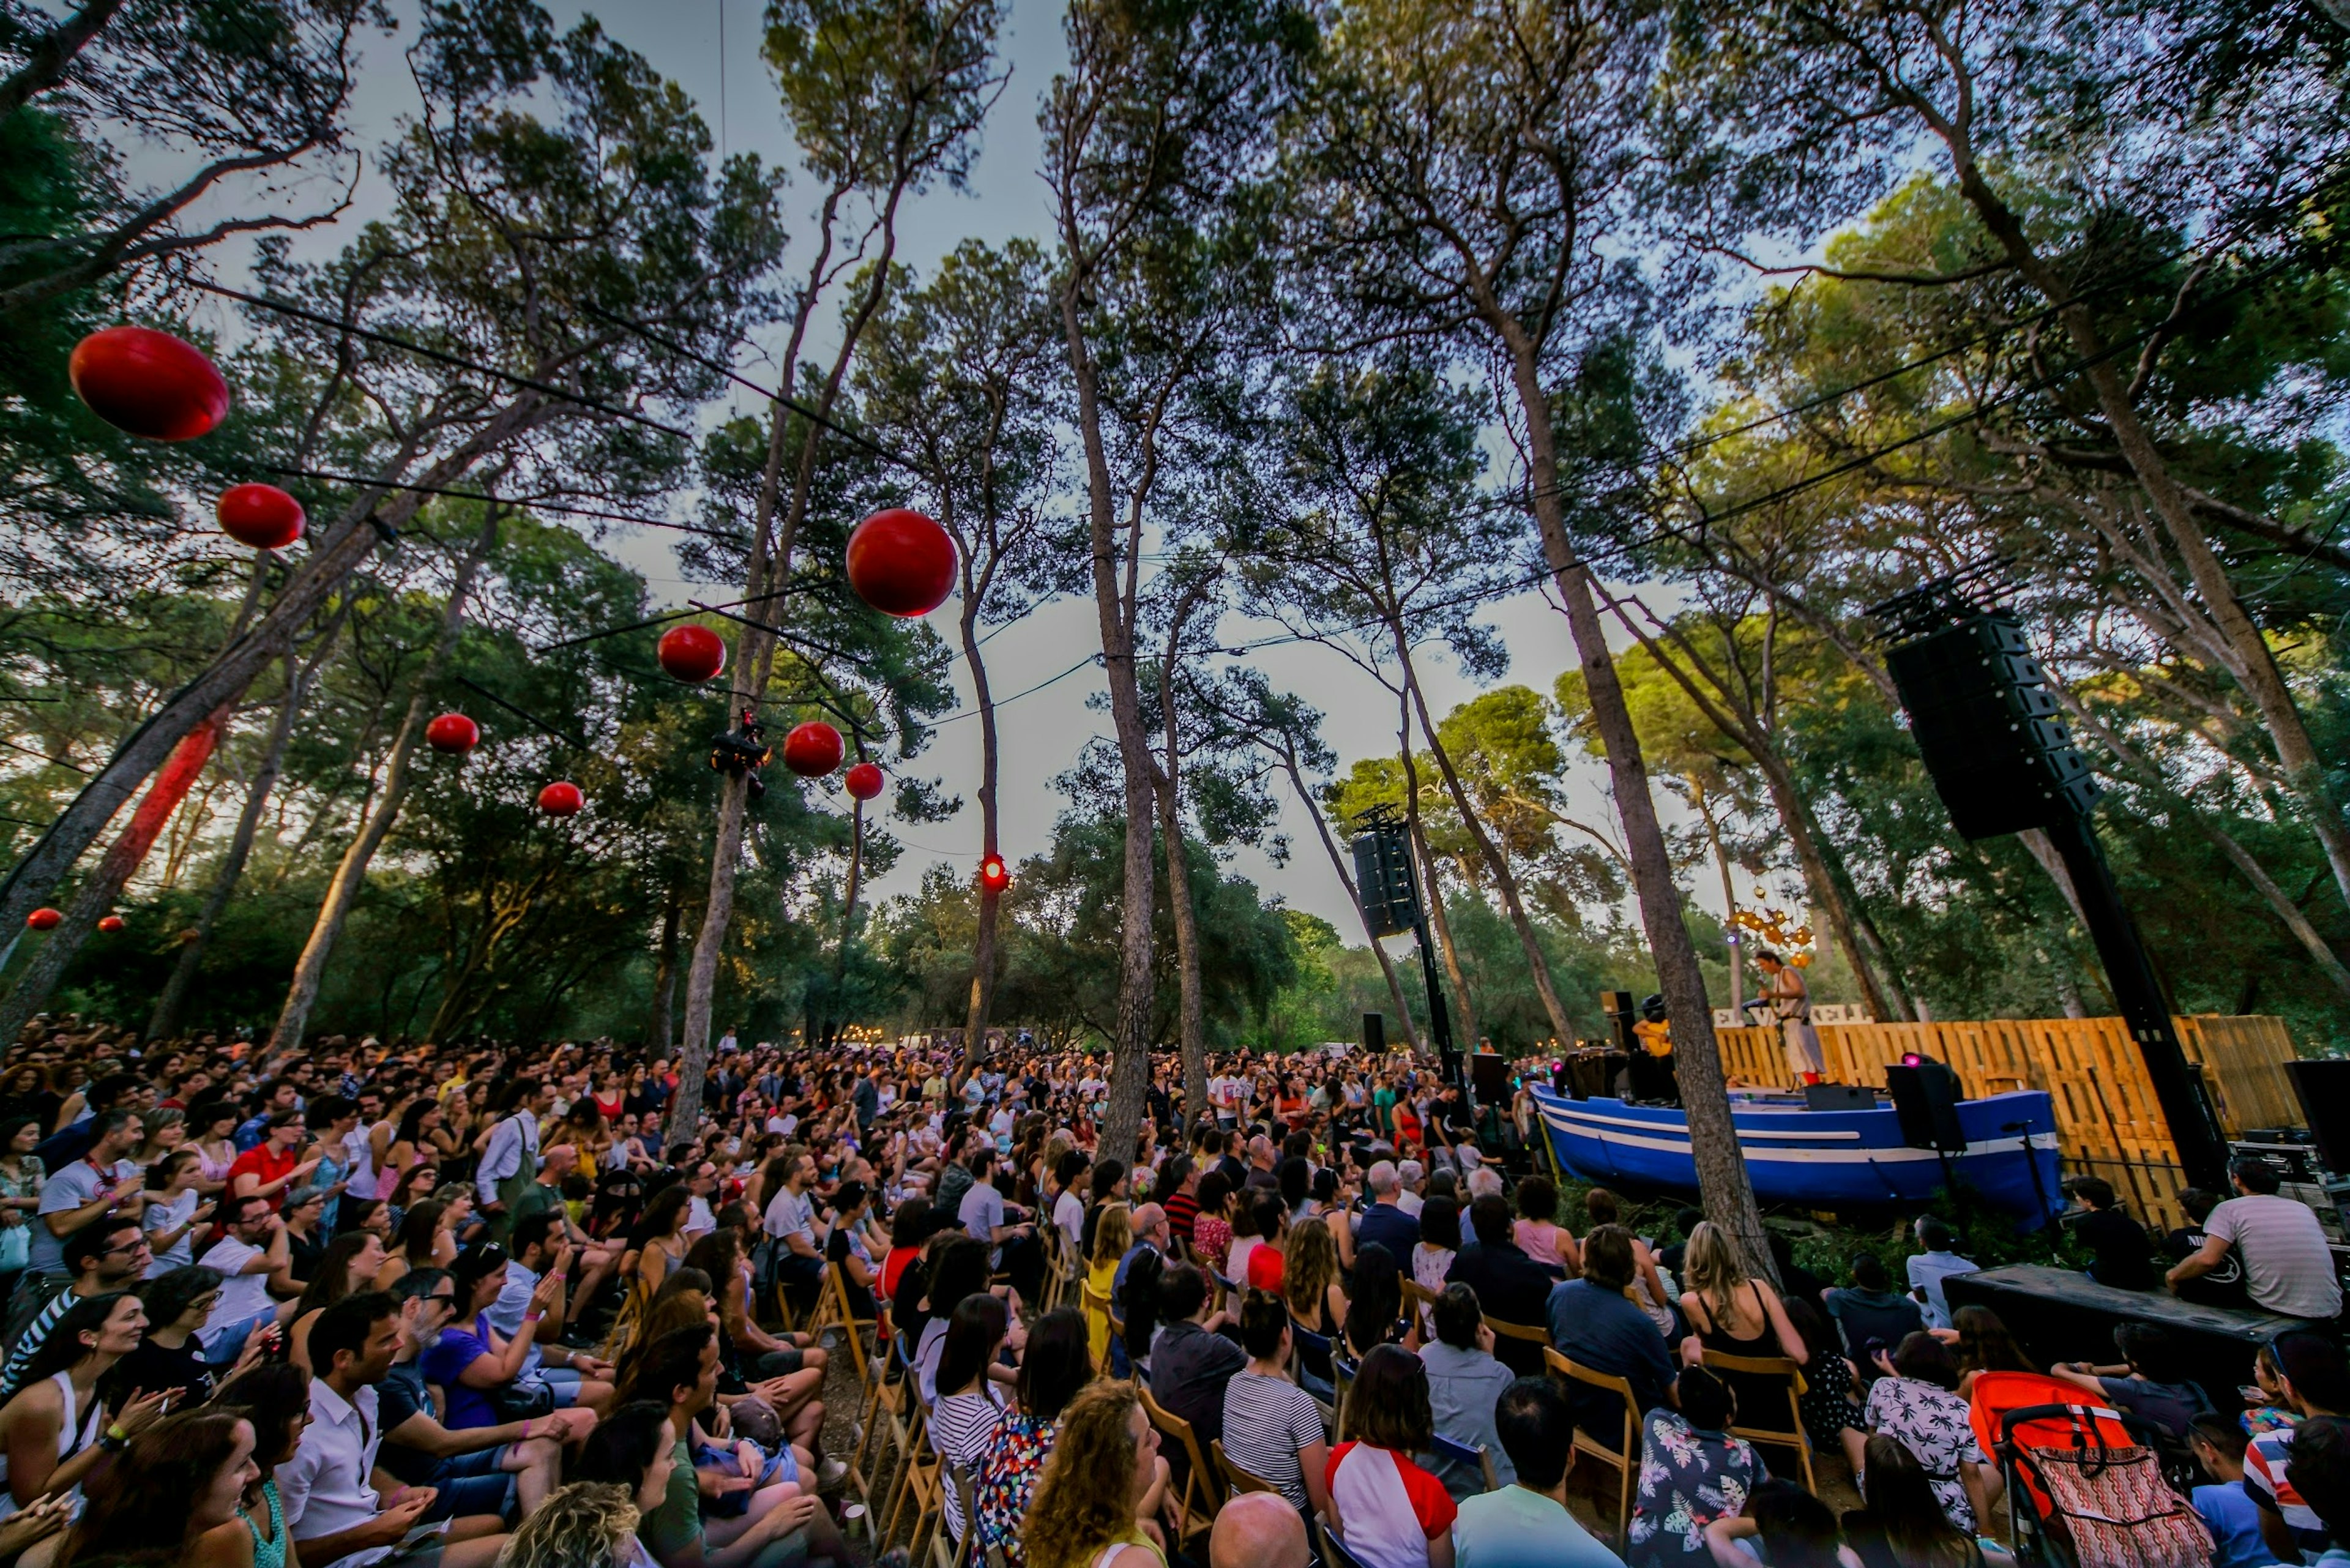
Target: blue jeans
[471, 1484]
[231, 1343]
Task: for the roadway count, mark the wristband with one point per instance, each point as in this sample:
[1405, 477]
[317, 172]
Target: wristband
[114, 1430]
[532, 1316]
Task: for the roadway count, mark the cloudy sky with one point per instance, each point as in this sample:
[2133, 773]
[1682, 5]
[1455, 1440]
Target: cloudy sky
[709, 46]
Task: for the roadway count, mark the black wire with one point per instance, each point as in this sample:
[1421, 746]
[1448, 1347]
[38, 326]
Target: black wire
[572, 741]
[522, 503]
[548, 387]
[722, 368]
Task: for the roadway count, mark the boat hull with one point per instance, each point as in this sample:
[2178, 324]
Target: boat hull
[1824, 1159]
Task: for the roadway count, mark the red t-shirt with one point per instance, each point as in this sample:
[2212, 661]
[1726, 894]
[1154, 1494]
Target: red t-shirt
[1264, 1268]
[262, 1162]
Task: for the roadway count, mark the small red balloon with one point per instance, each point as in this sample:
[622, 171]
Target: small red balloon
[110, 924]
[691, 653]
[45, 919]
[561, 798]
[992, 876]
[864, 781]
[454, 733]
[149, 383]
[813, 750]
[261, 515]
[901, 562]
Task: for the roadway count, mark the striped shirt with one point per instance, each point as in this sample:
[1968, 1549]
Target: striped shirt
[961, 1426]
[1268, 1422]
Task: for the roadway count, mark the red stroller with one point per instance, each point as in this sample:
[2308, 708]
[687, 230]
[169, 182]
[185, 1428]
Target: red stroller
[2085, 1483]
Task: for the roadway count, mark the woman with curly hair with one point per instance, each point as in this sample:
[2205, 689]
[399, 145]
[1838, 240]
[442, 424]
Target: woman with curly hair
[1105, 1460]
[588, 1524]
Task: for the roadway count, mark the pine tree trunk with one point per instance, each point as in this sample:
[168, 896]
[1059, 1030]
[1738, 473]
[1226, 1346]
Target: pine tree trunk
[350, 873]
[982, 946]
[662, 1026]
[1726, 1193]
[1192, 1011]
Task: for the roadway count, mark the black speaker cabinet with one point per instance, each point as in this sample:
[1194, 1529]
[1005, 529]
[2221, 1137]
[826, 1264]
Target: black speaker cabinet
[1490, 1075]
[1838, 1098]
[1926, 1098]
[1375, 1033]
[2324, 1091]
[1987, 728]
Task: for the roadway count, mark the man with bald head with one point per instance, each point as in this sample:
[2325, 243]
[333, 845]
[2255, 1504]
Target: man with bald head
[1258, 1530]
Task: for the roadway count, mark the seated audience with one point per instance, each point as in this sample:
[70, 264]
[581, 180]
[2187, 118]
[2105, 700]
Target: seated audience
[1465, 1381]
[332, 1509]
[169, 1355]
[1786, 1526]
[1526, 1524]
[1730, 1313]
[1981, 1342]
[1103, 1467]
[2320, 1468]
[2121, 1254]
[348, 1264]
[1595, 1323]
[1870, 1315]
[2288, 1268]
[1929, 1269]
[1906, 1524]
[102, 1259]
[1386, 1511]
[1538, 1233]
[1692, 1472]
[276, 1399]
[2313, 1381]
[471, 1361]
[1054, 1367]
[588, 1524]
[2222, 1284]
[2233, 1518]
[1271, 1427]
[203, 1458]
[964, 1419]
[53, 1431]
[2151, 1382]
[1511, 1287]
[1192, 1361]
[1258, 1530]
[480, 1469]
[1830, 1402]
[1917, 1403]
[257, 1282]
[1649, 1292]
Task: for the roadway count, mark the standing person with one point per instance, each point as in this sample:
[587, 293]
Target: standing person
[1791, 1004]
[510, 1164]
[53, 1430]
[2288, 1267]
[1526, 1524]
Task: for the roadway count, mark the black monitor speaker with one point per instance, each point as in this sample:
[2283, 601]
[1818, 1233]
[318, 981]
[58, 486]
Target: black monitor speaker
[1375, 1033]
[1926, 1098]
[1838, 1098]
[1620, 1006]
[2324, 1091]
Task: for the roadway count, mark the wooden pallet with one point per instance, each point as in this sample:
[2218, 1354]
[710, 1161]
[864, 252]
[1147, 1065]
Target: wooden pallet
[2109, 1122]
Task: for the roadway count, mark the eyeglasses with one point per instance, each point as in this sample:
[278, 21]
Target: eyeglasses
[138, 1245]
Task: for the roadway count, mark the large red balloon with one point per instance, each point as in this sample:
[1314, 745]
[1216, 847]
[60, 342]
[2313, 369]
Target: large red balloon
[864, 781]
[261, 515]
[901, 562]
[149, 383]
[691, 653]
[813, 750]
[110, 924]
[454, 733]
[561, 798]
[45, 919]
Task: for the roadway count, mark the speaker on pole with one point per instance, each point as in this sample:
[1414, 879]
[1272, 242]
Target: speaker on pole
[1375, 1033]
[2324, 1088]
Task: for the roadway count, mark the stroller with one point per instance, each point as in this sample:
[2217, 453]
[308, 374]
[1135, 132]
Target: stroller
[2085, 1483]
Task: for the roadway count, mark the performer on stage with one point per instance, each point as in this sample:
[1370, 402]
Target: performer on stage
[1791, 1004]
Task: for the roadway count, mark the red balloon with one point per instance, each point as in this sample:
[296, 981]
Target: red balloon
[149, 383]
[261, 515]
[813, 750]
[454, 733]
[691, 653]
[864, 781]
[110, 924]
[901, 562]
[561, 798]
[992, 876]
[45, 919]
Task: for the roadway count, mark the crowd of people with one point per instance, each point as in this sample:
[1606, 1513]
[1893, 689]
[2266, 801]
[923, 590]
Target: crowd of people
[365, 1305]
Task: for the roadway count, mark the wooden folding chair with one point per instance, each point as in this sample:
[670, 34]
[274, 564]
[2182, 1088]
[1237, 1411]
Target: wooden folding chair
[1342, 1379]
[1239, 1479]
[1474, 1458]
[1794, 1435]
[1626, 1459]
[873, 1389]
[944, 1549]
[1202, 1491]
[1334, 1549]
[1419, 1300]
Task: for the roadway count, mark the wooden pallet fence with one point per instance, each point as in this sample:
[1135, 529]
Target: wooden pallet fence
[2109, 1121]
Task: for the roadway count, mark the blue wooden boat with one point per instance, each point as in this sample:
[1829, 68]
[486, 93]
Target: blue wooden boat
[1820, 1159]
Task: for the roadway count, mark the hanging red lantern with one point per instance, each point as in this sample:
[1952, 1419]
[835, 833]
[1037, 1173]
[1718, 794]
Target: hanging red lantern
[901, 562]
[454, 733]
[149, 383]
[691, 653]
[110, 924]
[812, 750]
[261, 515]
[561, 798]
[45, 919]
[993, 876]
[864, 781]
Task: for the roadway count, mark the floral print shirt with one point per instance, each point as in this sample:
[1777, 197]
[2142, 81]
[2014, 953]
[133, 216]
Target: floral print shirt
[1689, 1478]
[1932, 1423]
[1006, 1479]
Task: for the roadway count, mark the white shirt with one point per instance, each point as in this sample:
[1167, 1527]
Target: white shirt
[791, 1213]
[243, 1295]
[324, 1486]
[170, 1215]
[699, 1220]
[2288, 1267]
[513, 1141]
[1070, 1215]
[360, 1162]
